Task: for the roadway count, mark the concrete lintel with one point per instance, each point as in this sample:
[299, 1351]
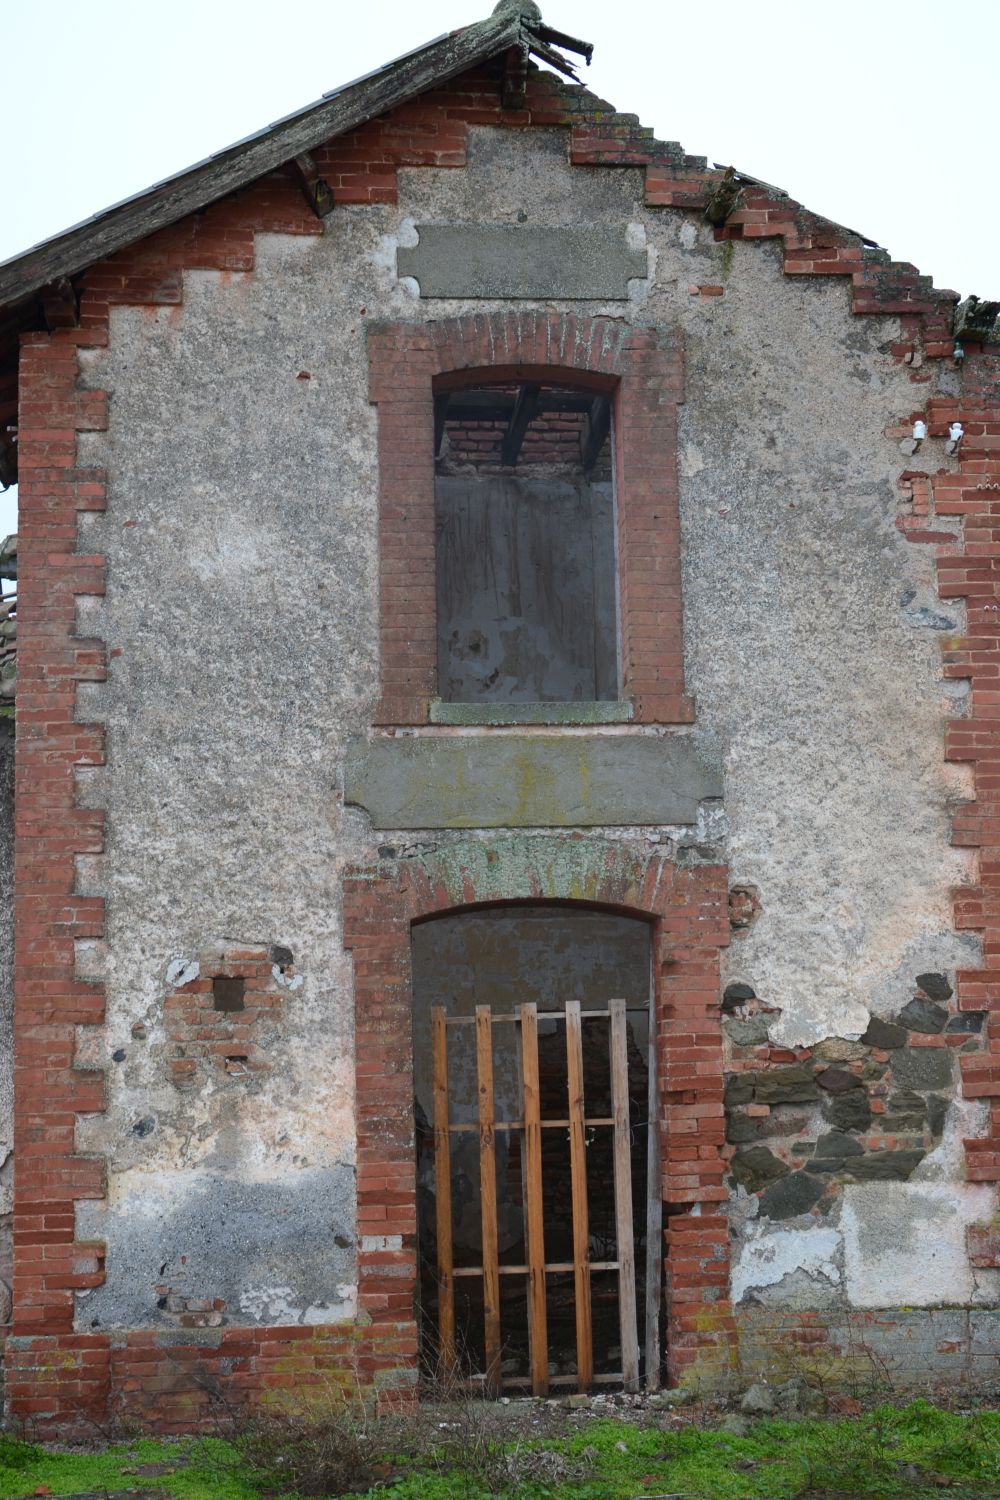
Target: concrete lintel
[506, 260]
[532, 781]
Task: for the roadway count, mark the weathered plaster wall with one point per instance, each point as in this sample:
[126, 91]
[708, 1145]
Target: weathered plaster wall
[812, 636]
[240, 615]
[811, 627]
[6, 1007]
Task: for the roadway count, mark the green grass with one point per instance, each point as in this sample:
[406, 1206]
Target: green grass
[205, 1469]
[913, 1451]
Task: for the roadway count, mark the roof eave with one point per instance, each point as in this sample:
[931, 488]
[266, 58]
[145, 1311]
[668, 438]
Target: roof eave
[157, 207]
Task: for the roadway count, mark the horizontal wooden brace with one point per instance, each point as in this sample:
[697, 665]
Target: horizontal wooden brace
[519, 1125]
[556, 1268]
[543, 1015]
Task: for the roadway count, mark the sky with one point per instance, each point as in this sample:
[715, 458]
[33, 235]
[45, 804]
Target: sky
[875, 113]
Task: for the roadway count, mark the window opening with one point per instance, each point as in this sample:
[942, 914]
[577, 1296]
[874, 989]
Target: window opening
[525, 545]
[531, 1077]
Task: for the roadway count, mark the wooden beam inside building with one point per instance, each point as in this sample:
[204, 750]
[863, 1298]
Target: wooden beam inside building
[59, 305]
[595, 432]
[8, 460]
[525, 407]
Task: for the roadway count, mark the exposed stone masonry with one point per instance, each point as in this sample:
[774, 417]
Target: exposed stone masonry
[800, 1123]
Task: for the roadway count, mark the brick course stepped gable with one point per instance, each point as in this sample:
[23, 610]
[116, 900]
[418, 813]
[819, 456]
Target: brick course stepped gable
[60, 1378]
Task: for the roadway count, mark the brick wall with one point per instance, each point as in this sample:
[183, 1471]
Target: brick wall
[228, 1017]
[81, 1385]
[883, 1353]
[957, 516]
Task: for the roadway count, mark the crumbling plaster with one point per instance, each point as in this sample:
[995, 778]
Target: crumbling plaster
[241, 618]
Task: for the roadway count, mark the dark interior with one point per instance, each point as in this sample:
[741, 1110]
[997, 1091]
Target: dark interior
[502, 957]
[525, 545]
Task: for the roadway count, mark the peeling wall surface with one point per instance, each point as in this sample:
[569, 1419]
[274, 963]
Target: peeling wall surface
[241, 621]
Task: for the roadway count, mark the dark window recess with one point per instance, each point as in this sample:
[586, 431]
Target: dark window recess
[525, 538]
[227, 994]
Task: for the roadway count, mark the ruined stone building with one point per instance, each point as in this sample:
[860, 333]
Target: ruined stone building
[507, 861]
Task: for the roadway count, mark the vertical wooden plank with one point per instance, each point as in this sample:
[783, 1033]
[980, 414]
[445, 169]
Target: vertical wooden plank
[623, 1197]
[442, 1194]
[578, 1178]
[533, 1217]
[488, 1197]
[654, 1210]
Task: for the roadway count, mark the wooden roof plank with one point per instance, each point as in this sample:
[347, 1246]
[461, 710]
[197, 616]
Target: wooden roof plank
[237, 166]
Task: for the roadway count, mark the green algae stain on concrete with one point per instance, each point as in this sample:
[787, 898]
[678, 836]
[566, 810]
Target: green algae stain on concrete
[532, 781]
[519, 868]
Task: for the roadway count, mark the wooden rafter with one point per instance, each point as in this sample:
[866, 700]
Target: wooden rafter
[515, 78]
[60, 307]
[441, 412]
[315, 189]
[561, 39]
[336, 114]
[595, 432]
[525, 407]
[8, 460]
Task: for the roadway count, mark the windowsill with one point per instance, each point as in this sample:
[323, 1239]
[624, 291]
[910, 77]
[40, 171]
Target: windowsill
[609, 711]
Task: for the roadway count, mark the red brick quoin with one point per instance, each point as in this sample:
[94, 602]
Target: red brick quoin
[688, 912]
[641, 369]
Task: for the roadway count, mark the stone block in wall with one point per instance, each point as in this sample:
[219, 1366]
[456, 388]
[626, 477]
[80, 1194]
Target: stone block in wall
[506, 260]
[532, 781]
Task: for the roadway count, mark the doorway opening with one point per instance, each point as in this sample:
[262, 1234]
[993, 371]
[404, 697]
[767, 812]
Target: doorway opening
[537, 1168]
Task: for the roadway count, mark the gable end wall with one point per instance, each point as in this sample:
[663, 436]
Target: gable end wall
[60, 1375]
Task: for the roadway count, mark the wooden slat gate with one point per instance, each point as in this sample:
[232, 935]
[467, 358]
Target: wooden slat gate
[525, 1018]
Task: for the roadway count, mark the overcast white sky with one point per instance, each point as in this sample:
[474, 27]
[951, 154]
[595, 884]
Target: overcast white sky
[880, 114]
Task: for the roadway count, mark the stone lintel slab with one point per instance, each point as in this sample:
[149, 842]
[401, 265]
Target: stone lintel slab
[532, 781]
[505, 260]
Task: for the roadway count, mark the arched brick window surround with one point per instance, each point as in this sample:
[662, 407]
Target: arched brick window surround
[642, 370]
[688, 910]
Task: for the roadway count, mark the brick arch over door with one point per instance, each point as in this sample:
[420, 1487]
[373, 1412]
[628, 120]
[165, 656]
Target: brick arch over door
[689, 914]
[642, 369]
